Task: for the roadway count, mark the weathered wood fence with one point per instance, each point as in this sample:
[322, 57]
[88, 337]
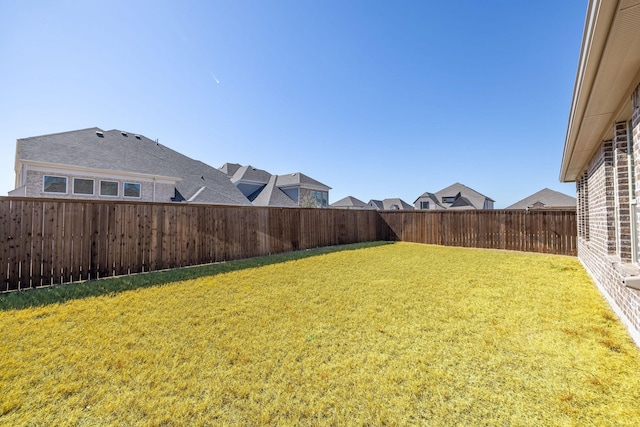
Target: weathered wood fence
[46, 241]
[546, 231]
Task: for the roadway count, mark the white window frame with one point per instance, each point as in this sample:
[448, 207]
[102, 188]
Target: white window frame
[66, 184]
[109, 195]
[124, 190]
[73, 187]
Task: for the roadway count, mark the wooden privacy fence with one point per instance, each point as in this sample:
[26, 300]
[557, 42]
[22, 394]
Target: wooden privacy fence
[547, 231]
[44, 241]
[47, 241]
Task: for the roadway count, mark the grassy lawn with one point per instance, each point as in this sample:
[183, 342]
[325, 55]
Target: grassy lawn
[399, 334]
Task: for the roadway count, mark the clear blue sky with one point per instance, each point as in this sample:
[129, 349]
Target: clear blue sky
[376, 99]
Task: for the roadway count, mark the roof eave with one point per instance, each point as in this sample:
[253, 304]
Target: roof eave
[602, 88]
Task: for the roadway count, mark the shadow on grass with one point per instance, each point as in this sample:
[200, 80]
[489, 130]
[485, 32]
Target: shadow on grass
[112, 285]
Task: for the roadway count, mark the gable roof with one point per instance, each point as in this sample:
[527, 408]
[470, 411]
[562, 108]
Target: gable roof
[374, 204]
[271, 195]
[348, 202]
[298, 179]
[389, 204]
[472, 199]
[432, 197]
[396, 203]
[545, 198]
[230, 168]
[118, 151]
[250, 174]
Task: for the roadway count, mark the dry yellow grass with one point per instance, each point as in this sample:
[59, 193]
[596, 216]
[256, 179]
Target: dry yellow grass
[402, 334]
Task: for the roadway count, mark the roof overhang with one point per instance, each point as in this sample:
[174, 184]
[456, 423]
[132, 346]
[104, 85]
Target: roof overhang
[608, 72]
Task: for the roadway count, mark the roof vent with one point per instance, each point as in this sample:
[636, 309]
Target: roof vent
[100, 134]
[124, 134]
[137, 136]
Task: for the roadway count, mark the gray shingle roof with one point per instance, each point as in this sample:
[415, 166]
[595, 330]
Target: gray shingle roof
[396, 203]
[545, 198]
[250, 174]
[389, 204]
[271, 195]
[230, 168]
[431, 197]
[473, 199]
[302, 180]
[348, 202]
[120, 151]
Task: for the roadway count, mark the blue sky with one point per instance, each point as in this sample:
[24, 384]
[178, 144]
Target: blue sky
[376, 99]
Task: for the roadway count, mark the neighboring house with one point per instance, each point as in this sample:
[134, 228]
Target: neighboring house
[348, 202]
[456, 196]
[301, 190]
[545, 199]
[428, 201]
[305, 191]
[393, 204]
[116, 165]
[602, 153]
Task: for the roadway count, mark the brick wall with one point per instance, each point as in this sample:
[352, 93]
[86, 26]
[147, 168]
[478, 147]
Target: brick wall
[600, 201]
[622, 213]
[605, 235]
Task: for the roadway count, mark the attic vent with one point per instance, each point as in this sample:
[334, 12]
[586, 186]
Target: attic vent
[100, 134]
[124, 134]
[137, 136]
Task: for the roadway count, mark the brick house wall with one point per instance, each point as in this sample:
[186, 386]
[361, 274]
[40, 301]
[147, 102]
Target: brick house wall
[606, 244]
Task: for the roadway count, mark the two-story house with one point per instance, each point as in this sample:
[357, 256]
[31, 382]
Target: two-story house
[116, 165]
[455, 197]
[289, 190]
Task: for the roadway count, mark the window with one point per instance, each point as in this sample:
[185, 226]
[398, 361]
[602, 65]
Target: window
[131, 190]
[424, 205]
[55, 184]
[325, 199]
[83, 186]
[109, 188]
[448, 199]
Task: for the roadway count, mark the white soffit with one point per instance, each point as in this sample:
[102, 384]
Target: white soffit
[607, 75]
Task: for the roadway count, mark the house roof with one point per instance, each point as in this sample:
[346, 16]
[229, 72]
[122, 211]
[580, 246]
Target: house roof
[374, 204]
[432, 197]
[299, 179]
[271, 195]
[606, 76]
[230, 168]
[348, 202]
[471, 199]
[396, 203]
[250, 174]
[545, 198]
[118, 151]
[389, 204]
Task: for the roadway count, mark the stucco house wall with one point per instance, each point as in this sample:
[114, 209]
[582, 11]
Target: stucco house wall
[149, 191]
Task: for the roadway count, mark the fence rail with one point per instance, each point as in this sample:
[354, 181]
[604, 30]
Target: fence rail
[46, 241]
